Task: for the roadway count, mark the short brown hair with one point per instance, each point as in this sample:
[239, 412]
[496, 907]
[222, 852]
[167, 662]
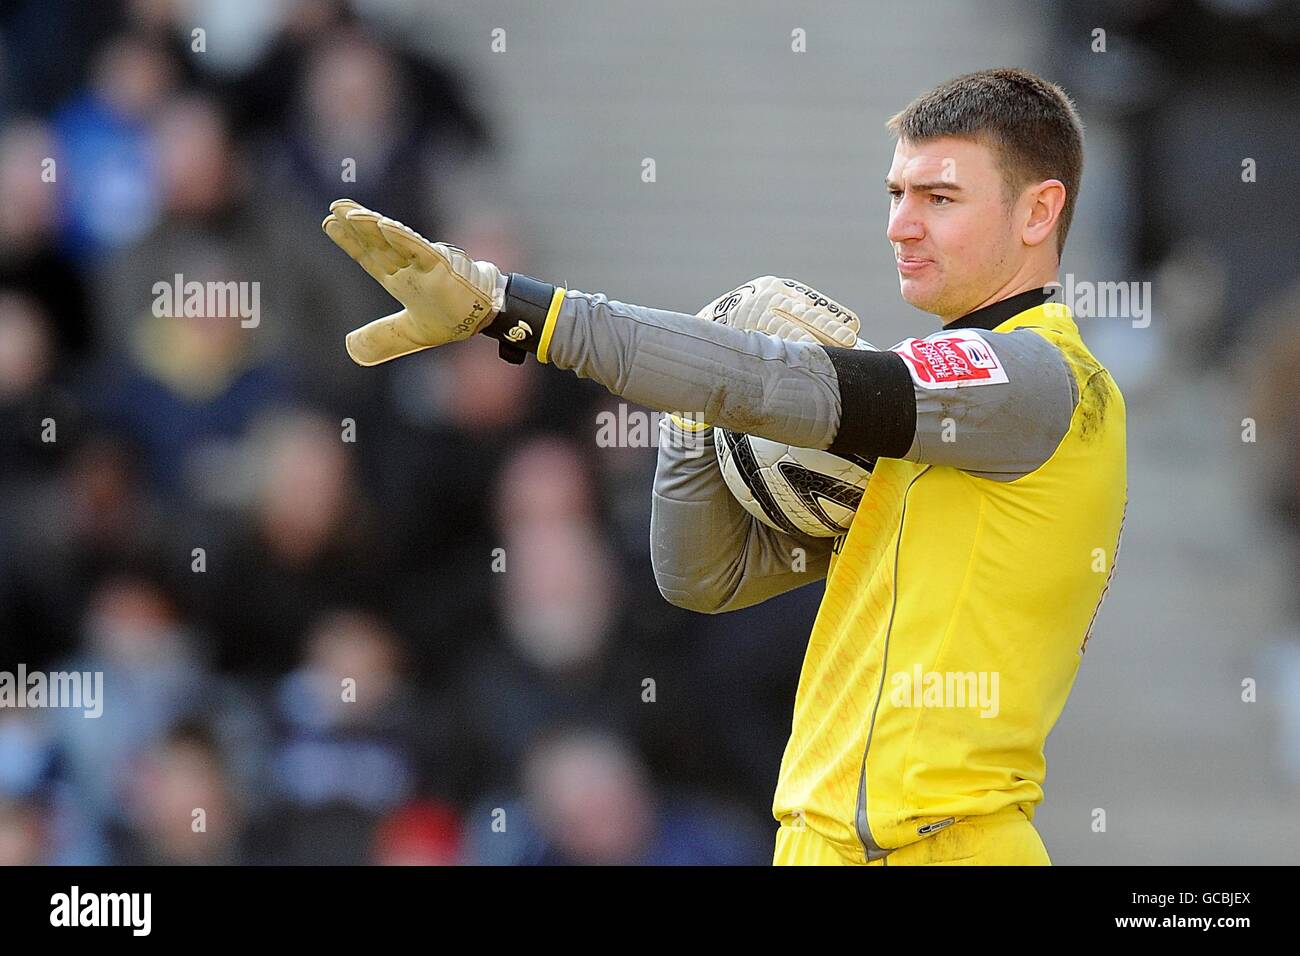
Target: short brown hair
[1032, 125]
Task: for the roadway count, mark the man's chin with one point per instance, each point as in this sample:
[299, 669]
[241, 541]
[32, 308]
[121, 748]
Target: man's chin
[919, 295]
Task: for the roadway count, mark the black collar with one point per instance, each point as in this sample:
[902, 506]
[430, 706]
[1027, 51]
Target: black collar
[994, 314]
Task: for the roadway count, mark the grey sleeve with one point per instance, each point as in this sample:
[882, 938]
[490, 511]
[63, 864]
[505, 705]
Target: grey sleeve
[846, 401]
[1001, 430]
[708, 553]
[746, 381]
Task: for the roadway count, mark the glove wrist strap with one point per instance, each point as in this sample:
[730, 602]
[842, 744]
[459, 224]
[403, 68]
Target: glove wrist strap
[523, 324]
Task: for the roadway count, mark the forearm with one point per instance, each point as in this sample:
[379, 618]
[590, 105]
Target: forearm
[752, 383]
[708, 553]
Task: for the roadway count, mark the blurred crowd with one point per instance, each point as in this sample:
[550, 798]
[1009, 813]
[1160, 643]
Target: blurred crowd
[344, 615]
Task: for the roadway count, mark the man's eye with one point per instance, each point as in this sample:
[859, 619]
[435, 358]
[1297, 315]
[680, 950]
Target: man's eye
[940, 200]
[895, 195]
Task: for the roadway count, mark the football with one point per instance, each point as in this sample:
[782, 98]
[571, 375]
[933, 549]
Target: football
[796, 490]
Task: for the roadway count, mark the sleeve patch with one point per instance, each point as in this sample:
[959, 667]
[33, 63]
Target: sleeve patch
[951, 360]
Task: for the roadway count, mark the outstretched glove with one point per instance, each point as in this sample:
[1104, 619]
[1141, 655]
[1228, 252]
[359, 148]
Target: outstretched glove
[447, 296]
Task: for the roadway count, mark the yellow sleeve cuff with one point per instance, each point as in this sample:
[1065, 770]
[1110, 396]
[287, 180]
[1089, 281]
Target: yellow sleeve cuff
[686, 424]
[548, 329]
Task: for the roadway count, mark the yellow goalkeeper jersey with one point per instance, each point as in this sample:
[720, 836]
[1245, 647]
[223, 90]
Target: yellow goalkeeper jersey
[959, 604]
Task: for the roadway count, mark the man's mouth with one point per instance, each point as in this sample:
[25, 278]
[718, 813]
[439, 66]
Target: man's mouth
[911, 265]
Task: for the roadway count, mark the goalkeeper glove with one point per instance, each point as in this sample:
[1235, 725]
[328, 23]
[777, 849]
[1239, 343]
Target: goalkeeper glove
[788, 309]
[447, 295]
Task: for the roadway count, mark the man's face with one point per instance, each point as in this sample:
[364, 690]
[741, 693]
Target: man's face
[951, 229]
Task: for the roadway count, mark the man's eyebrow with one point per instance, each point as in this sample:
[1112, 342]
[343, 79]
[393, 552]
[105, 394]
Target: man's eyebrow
[925, 187]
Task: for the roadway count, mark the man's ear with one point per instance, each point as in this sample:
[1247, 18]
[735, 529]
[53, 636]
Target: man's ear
[1042, 203]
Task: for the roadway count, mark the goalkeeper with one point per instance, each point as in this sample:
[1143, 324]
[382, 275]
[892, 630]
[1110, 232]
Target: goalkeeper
[988, 531]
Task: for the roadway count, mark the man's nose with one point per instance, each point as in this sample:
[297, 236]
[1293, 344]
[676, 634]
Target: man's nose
[904, 224]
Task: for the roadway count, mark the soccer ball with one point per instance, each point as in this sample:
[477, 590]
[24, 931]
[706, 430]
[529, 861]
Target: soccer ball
[796, 490]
